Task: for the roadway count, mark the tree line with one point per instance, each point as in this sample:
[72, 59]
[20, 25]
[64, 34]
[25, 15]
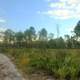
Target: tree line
[31, 39]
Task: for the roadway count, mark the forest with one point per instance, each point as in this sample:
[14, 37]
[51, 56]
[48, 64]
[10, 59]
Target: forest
[41, 39]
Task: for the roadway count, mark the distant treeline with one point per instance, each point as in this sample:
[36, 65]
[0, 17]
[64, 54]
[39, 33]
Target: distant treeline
[52, 44]
[32, 39]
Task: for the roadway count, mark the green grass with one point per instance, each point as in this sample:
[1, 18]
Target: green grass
[60, 63]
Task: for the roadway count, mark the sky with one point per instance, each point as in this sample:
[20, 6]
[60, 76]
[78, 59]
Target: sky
[19, 15]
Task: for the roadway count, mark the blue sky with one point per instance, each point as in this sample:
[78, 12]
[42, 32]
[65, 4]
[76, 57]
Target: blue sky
[19, 15]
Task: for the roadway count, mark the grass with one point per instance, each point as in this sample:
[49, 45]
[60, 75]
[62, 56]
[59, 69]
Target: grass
[60, 63]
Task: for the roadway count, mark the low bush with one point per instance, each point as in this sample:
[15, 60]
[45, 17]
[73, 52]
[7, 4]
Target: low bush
[62, 64]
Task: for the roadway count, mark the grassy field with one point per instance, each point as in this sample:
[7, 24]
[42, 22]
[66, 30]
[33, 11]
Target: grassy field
[60, 63]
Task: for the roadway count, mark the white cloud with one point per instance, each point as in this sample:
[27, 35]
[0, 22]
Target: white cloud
[48, 0]
[63, 14]
[2, 20]
[59, 5]
[71, 2]
[63, 9]
[2, 29]
[39, 12]
[69, 29]
[2, 24]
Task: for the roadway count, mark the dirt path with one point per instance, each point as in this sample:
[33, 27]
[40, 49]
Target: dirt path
[40, 75]
[8, 70]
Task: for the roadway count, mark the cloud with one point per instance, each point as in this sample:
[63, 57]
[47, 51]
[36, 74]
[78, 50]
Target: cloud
[2, 24]
[54, 5]
[2, 20]
[70, 29]
[61, 14]
[2, 29]
[63, 9]
[48, 0]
